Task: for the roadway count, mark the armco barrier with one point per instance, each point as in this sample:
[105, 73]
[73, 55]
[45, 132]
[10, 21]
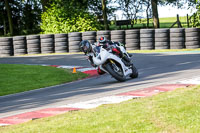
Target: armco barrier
[135, 39]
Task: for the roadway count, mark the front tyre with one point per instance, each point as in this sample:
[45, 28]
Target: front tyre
[134, 72]
[117, 73]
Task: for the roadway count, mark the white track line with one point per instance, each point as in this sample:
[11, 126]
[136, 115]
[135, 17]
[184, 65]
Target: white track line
[195, 80]
[4, 124]
[100, 101]
[69, 67]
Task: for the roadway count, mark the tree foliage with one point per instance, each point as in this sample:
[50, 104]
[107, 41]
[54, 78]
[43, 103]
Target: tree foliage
[131, 8]
[25, 16]
[19, 17]
[68, 16]
[195, 18]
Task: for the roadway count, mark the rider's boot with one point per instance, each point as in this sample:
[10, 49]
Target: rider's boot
[126, 60]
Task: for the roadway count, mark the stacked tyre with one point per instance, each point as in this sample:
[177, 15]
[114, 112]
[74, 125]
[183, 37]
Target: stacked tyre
[147, 39]
[33, 44]
[6, 46]
[177, 38]
[132, 39]
[105, 33]
[90, 36]
[19, 44]
[192, 38]
[47, 43]
[161, 38]
[61, 43]
[118, 36]
[74, 40]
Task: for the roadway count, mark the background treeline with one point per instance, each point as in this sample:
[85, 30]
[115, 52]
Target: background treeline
[22, 17]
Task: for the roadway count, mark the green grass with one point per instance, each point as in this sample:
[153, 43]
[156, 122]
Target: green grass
[169, 112]
[164, 23]
[19, 78]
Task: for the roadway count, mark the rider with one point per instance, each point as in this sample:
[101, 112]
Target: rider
[115, 49]
[87, 48]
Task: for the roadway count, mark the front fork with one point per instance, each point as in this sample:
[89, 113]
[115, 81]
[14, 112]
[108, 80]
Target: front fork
[114, 65]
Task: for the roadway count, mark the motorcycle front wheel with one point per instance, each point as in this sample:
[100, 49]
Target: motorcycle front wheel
[115, 71]
[134, 72]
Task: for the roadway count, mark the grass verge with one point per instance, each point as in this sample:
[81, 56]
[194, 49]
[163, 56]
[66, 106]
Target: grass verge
[164, 50]
[19, 78]
[171, 112]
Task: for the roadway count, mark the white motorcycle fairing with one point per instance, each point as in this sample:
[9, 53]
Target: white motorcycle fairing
[104, 56]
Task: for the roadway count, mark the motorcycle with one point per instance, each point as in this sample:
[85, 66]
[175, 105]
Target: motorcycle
[107, 62]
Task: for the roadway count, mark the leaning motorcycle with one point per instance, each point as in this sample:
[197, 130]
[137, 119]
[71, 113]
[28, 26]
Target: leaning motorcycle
[110, 63]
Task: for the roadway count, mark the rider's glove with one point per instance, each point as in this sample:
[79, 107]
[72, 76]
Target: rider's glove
[91, 61]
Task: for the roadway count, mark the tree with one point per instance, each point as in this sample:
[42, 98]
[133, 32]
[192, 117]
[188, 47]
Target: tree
[154, 4]
[148, 10]
[68, 16]
[45, 4]
[3, 14]
[131, 9]
[9, 16]
[107, 11]
[104, 14]
[20, 17]
[31, 17]
[195, 18]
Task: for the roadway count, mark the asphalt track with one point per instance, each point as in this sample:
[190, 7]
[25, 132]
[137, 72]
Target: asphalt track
[154, 69]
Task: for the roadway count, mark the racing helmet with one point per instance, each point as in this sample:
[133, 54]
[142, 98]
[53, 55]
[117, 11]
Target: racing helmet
[85, 46]
[102, 39]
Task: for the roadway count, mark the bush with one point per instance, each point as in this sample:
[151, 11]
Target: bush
[62, 19]
[195, 18]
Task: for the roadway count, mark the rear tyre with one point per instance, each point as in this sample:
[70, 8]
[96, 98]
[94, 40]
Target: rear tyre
[134, 72]
[118, 75]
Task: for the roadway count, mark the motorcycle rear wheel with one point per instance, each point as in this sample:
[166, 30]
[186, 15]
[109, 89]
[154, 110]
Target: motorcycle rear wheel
[115, 74]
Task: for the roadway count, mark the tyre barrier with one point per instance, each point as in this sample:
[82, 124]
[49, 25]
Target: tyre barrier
[147, 39]
[90, 36]
[135, 39]
[132, 39]
[177, 38]
[33, 44]
[105, 33]
[19, 45]
[47, 43]
[192, 38]
[118, 36]
[6, 46]
[162, 39]
[74, 40]
[61, 43]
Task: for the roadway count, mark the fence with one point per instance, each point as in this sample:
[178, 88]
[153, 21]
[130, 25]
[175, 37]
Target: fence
[171, 22]
[135, 39]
